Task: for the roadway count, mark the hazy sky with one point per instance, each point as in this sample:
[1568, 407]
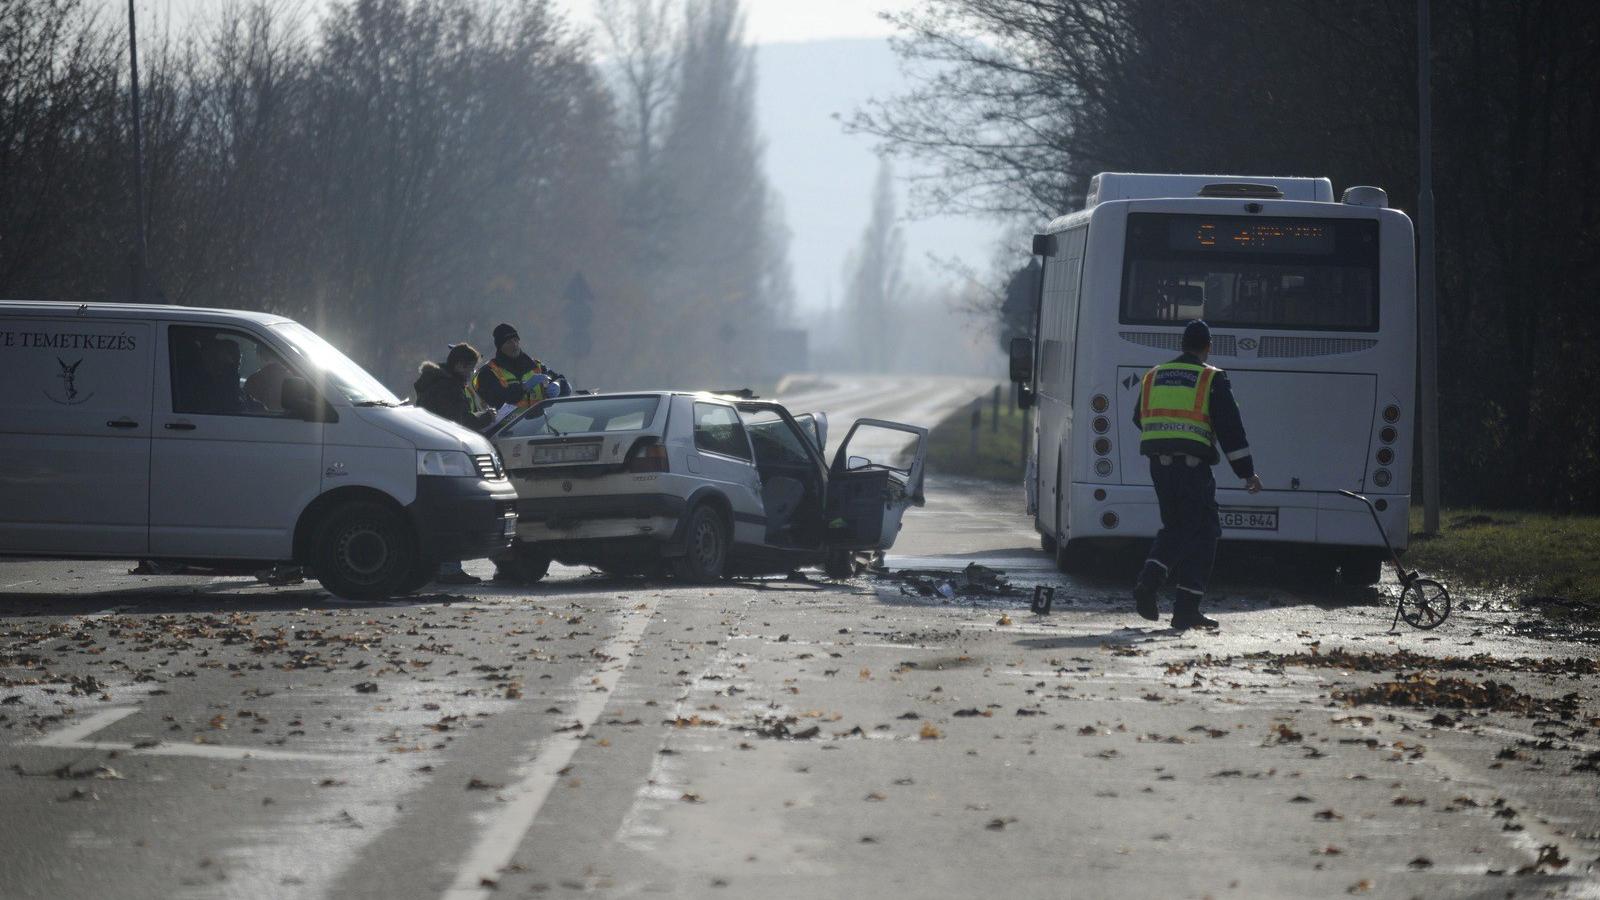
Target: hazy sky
[818, 60]
[769, 21]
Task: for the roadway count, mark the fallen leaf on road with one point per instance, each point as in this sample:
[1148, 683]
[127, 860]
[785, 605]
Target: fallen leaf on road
[1328, 815]
[930, 733]
[1004, 620]
[1360, 887]
[1000, 824]
[1421, 862]
[366, 687]
[691, 797]
[876, 796]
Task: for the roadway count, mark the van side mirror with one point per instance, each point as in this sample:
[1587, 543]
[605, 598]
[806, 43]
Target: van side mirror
[857, 462]
[1021, 360]
[301, 401]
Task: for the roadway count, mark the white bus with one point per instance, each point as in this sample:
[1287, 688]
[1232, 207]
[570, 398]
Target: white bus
[1312, 308]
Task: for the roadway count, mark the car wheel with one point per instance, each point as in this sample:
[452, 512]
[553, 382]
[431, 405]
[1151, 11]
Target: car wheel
[364, 551]
[529, 565]
[706, 550]
[841, 564]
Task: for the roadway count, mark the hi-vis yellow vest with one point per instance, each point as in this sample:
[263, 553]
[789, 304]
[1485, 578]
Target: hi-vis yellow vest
[1175, 403]
[535, 392]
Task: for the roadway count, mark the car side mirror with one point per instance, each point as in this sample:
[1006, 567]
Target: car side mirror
[301, 401]
[857, 462]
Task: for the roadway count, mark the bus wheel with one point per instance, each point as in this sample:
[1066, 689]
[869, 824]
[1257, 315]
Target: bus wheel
[1074, 557]
[1361, 567]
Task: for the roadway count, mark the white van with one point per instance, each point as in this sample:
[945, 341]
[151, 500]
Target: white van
[229, 438]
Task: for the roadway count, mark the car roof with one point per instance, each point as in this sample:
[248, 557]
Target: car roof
[136, 311]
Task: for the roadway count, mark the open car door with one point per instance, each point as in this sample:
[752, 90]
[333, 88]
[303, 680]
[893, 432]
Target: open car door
[815, 425]
[875, 476]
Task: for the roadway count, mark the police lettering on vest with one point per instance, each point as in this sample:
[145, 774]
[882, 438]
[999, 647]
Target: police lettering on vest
[1175, 404]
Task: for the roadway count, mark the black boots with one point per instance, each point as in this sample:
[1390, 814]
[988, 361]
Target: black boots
[1186, 613]
[1144, 592]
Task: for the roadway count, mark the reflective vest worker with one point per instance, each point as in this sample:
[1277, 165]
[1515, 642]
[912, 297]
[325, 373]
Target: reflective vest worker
[1186, 411]
[512, 377]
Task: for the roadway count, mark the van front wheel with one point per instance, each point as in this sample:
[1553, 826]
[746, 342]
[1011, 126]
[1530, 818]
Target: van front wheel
[364, 551]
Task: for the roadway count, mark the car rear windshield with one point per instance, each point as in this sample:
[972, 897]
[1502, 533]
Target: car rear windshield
[1251, 271]
[585, 415]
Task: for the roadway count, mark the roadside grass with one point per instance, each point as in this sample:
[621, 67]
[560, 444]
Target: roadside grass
[999, 452]
[1551, 561]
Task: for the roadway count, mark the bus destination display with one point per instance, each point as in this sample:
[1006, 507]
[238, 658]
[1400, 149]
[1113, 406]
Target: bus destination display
[1235, 235]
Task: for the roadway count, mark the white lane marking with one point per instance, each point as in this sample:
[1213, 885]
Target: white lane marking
[75, 737]
[73, 734]
[504, 832]
[209, 751]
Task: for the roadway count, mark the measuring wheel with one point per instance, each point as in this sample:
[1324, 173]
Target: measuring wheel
[1424, 603]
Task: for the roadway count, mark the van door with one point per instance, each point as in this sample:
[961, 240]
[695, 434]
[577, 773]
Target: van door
[75, 436]
[875, 477]
[230, 470]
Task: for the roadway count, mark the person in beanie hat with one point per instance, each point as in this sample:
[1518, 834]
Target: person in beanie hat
[1186, 409]
[513, 378]
[445, 389]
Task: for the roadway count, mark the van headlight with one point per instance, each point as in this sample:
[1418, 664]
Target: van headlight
[453, 463]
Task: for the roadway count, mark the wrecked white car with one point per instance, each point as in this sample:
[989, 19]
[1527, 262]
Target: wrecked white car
[704, 484]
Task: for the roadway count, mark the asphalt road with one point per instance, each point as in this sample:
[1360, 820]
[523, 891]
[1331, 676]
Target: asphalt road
[193, 737]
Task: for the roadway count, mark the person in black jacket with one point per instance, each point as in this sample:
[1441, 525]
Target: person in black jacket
[1185, 410]
[445, 389]
[512, 377]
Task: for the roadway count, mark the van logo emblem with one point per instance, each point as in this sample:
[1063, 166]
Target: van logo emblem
[70, 395]
[566, 486]
[1247, 344]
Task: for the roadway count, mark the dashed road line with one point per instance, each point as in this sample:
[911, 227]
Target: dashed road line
[503, 833]
[75, 737]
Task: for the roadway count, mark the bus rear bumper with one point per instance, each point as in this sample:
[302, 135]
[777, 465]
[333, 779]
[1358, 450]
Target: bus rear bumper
[1301, 517]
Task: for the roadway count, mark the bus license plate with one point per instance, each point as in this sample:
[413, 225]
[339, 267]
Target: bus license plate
[567, 453]
[1259, 518]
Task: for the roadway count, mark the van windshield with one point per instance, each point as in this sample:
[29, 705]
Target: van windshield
[1293, 274]
[340, 374]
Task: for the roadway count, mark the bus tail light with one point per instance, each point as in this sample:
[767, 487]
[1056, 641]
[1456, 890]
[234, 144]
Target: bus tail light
[1381, 478]
[1099, 403]
[1109, 520]
[1101, 424]
[650, 457]
[1391, 414]
[1102, 467]
[1388, 434]
[1102, 446]
[1385, 456]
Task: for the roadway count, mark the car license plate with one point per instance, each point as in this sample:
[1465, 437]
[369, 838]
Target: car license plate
[1258, 518]
[566, 453]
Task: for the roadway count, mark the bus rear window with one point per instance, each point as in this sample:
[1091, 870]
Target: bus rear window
[1250, 271]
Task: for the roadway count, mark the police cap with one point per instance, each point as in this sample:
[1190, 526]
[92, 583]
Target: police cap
[1196, 335]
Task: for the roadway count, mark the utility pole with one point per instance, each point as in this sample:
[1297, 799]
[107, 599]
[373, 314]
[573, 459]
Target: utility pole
[138, 163]
[1427, 313]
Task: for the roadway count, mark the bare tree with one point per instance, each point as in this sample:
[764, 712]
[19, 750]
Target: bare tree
[875, 278]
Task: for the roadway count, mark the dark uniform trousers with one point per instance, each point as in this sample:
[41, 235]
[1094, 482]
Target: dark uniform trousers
[1186, 546]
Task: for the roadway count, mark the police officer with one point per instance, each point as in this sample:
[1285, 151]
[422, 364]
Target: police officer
[512, 377]
[1186, 410]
